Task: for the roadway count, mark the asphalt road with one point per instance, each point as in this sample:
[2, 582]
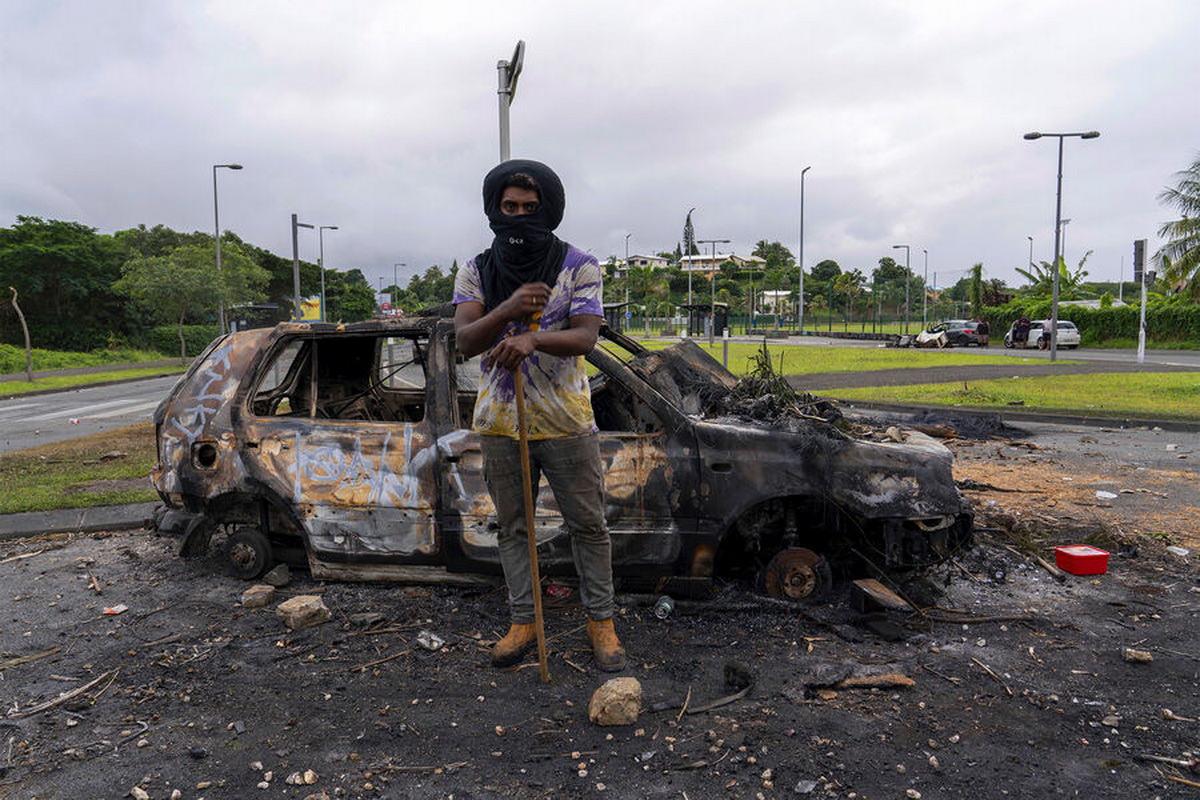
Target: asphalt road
[27, 421]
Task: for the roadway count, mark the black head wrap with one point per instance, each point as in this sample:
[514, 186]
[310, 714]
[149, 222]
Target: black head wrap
[525, 249]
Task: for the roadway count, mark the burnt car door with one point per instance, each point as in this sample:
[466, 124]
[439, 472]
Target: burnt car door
[640, 500]
[337, 427]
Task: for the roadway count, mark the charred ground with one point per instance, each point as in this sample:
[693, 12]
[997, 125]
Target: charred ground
[1020, 685]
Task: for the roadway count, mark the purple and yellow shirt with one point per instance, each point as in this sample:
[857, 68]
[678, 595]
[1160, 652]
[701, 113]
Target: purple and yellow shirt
[558, 402]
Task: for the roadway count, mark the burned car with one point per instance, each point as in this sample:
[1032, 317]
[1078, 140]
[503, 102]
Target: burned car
[349, 447]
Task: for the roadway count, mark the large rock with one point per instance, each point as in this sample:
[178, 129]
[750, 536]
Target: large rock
[258, 596]
[617, 702]
[303, 611]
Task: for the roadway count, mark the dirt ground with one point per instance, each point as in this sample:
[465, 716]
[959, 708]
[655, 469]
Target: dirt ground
[1020, 687]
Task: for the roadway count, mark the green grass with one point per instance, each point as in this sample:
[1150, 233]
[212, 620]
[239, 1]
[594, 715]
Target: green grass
[64, 381]
[73, 474]
[812, 359]
[12, 359]
[1154, 395]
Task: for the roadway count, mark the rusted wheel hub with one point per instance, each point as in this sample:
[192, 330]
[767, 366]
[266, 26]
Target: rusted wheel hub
[797, 574]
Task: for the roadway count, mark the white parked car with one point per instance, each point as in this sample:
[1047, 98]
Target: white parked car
[1039, 335]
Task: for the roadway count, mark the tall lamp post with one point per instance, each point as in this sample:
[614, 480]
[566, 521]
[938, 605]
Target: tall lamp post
[217, 240]
[712, 311]
[800, 299]
[925, 293]
[1058, 229]
[507, 74]
[297, 312]
[395, 277]
[627, 271]
[321, 262]
[907, 281]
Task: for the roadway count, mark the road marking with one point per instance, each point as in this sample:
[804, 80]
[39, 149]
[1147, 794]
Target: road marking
[79, 411]
[4, 410]
[118, 412]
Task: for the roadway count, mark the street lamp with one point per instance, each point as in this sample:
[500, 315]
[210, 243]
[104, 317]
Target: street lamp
[1030, 238]
[507, 74]
[396, 282]
[712, 311]
[800, 299]
[627, 272]
[925, 293]
[217, 223]
[321, 262]
[1058, 229]
[298, 312]
[907, 281]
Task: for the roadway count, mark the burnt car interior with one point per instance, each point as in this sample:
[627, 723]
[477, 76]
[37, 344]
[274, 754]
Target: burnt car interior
[364, 378]
[383, 378]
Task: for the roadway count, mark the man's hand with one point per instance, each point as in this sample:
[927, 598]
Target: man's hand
[529, 299]
[510, 352]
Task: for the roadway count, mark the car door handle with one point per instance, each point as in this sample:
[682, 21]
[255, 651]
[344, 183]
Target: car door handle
[721, 466]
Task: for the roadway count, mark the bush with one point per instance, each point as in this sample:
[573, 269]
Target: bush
[12, 359]
[1165, 322]
[165, 338]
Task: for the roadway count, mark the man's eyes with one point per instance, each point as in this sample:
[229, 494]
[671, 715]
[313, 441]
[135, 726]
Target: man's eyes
[512, 207]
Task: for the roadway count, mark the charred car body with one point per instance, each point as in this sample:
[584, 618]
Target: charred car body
[349, 446]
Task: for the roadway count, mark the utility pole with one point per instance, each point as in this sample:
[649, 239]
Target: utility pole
[507, 73]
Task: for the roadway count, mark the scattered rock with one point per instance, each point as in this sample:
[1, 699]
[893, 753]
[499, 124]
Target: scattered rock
[617, 702]
[258, 596]
[138, 793]
[805, 787]
[279, 576]
[1138, 656]
[303, 611]
[113, 455]
[1111, 721]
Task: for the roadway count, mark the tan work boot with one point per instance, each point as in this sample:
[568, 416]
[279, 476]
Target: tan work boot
[515, 644]
[606, 647]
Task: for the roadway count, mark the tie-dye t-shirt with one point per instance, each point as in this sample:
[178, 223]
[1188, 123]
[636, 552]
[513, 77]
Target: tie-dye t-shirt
[557, 399]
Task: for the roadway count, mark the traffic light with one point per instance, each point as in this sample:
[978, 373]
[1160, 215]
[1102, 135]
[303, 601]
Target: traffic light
[1139, 259]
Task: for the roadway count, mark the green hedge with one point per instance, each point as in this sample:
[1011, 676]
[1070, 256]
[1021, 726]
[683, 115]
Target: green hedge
[12, 359]
[165, 338]
[1165, 322]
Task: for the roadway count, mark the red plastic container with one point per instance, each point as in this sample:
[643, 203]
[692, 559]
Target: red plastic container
[1081, 559]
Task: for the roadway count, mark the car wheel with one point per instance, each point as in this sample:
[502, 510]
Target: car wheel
[1008, 344]
[1043, 343]
[247, 553]
[797, 573]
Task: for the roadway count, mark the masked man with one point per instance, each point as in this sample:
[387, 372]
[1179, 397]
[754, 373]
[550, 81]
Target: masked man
[533, 302]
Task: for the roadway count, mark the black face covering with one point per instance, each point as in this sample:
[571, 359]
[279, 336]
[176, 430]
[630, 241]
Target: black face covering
[525, 249]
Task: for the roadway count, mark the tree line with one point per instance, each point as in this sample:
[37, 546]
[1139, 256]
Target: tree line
[79, 289]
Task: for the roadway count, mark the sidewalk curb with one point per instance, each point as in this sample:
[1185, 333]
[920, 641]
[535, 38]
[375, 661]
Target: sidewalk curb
[76, 520]
[1183, 426]
[113, 382]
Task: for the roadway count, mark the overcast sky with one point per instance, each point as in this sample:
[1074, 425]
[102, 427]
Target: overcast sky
[381, 118]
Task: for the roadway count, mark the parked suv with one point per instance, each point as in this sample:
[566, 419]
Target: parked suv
[1039, 335]
[349, 447]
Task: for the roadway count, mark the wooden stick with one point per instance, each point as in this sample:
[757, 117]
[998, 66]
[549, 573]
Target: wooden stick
[62, 698]
[530, 523]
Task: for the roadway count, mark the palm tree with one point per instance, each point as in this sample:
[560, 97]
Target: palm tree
[1070, 284]
[1179, 258]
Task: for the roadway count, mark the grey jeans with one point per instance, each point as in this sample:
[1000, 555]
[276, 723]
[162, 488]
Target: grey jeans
[573, 468]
